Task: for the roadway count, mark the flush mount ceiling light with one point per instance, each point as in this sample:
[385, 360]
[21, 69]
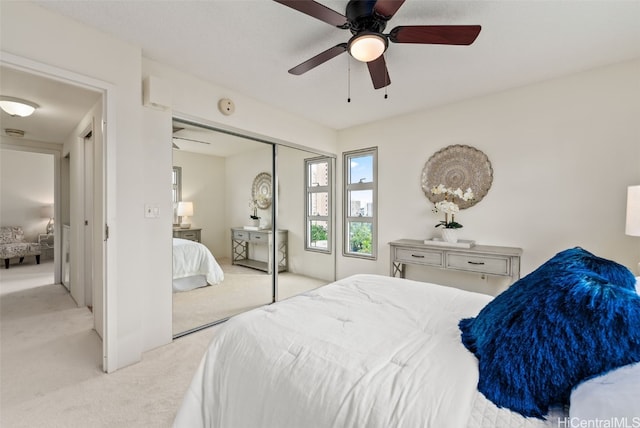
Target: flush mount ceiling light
[367, 46]
[17, 107]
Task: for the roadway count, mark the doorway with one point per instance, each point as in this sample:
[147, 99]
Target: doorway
[32, 80]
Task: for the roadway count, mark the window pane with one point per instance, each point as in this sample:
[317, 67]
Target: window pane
[319, 204]
[318, 174]
[360, 203]
[360, 238]
[318, 234]
[361, 169]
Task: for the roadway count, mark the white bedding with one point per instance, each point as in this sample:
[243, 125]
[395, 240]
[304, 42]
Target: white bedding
[365, 351]
[191, 259]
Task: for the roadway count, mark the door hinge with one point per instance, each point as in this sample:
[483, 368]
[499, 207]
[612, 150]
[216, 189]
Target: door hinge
[106, 231]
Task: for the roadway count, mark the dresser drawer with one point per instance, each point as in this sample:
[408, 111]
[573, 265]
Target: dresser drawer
[241, 235]
[423, 257]
[494, 265]
[189, 235]
[258, 237]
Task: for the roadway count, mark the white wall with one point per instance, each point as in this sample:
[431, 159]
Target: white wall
[203, 183]
[26, 185]
[563, 153]
[291, 174]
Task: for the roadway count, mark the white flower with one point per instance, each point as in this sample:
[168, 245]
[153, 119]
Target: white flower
[468, 195]
[439, 189]
[447, 207]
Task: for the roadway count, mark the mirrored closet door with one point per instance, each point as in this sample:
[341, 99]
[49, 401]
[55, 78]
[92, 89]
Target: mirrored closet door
[253, 224]
[221, 255]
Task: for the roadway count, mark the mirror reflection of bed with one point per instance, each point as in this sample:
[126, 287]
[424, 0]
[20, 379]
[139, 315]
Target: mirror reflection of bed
[215, 171]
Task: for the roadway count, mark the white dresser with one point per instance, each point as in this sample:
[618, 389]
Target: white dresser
[483, 259]
[242, 238]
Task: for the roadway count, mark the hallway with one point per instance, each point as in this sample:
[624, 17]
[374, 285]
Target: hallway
[50, 363]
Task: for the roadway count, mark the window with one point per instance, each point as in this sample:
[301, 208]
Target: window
[176, 191]
[318, 204]
[360, 206]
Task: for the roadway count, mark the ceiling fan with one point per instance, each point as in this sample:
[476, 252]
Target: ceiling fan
[367, 19]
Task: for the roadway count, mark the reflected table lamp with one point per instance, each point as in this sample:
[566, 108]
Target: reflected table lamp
[185, 210]
[47, 212]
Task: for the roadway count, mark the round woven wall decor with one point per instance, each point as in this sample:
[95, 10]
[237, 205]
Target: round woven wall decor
[261, 191]
[458, 166]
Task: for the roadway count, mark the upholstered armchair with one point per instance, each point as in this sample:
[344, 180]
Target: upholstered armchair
[12, 244]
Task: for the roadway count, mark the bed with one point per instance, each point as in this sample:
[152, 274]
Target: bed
[364, 351]
[193, 266]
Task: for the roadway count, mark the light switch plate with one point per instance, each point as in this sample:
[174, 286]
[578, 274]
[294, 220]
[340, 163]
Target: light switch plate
[151, 211]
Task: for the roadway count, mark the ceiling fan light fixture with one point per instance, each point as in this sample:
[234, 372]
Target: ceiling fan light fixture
[367, 47]
[17, 107]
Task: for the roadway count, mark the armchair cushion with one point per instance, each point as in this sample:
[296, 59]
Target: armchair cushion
[12, 244]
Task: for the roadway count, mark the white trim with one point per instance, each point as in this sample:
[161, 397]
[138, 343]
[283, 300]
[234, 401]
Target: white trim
[215, 126]
[108, 91]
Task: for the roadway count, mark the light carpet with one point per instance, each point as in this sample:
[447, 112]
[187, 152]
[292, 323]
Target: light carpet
[242, 289]
[50, 359]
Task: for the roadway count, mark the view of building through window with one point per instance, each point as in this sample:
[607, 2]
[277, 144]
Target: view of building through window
[360, 177]
[318, 171]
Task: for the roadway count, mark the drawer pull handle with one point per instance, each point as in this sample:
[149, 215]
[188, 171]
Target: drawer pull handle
[475, 263]
[258, 237]
[417, 256]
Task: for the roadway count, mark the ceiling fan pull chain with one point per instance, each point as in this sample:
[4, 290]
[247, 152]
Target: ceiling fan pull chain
[386, 78]
[348, 79]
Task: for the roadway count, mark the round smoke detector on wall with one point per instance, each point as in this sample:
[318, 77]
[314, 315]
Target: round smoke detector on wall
[226, 106]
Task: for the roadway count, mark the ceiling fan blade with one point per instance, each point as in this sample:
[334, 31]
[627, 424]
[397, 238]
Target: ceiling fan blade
[435, 34]
[319, 59]
[387, 8]
[318, 11]
[379, 73]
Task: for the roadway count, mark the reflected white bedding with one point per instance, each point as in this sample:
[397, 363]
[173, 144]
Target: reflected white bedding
[192, 259]
[365, 351]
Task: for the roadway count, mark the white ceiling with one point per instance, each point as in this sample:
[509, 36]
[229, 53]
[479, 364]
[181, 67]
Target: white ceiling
[61, 106]
[248, 46]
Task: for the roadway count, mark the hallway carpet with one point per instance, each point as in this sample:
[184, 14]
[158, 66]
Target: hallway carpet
[50, 356]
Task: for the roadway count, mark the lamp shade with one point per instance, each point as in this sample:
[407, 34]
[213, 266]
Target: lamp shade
[185, 209]
[633, 211]
[46, 211]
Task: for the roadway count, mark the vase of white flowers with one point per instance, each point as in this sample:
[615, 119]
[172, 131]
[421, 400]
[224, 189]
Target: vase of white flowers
[450, 208]
[253, 213]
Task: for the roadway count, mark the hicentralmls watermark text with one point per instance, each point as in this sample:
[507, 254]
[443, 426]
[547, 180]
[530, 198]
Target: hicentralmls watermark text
[633, 422]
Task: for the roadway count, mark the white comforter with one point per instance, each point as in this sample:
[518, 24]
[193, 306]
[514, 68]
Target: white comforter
[192, 258]
[365, 351]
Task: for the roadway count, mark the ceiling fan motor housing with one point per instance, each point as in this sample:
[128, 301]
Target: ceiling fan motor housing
[362, 17]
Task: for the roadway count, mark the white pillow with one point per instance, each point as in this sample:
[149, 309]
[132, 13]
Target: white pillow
[612, 396]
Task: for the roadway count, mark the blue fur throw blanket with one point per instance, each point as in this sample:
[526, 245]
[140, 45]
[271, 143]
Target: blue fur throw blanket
[575, 317]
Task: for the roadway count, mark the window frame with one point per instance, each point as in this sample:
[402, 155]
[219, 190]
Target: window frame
[309, 190]
[347, 187]
[176, 192]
